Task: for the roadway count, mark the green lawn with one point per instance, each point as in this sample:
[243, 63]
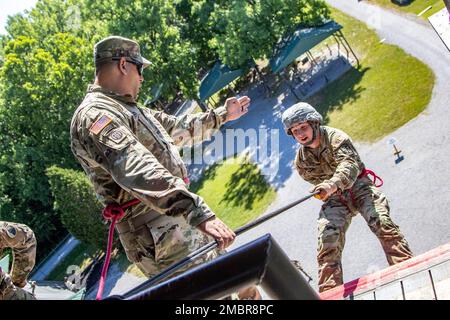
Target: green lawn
[235, 190]
[388, 89]
[415, 7]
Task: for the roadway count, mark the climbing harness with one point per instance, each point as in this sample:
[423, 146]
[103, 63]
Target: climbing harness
[364, 173]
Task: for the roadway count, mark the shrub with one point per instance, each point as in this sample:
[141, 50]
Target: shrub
[75, 201]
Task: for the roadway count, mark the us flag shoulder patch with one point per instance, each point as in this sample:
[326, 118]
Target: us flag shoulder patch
[100, 124]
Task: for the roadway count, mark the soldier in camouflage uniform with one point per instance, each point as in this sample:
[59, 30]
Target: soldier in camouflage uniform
[20, 238]
[328, 159]
[129, 151]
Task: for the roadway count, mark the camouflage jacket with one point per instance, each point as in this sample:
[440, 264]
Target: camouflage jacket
[336, 160]
[20, 238]
[130, 152]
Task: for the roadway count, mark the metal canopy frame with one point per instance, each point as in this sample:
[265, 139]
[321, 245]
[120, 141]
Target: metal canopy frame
[341, 40]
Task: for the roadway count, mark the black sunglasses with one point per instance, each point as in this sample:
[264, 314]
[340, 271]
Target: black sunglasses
[139, 66]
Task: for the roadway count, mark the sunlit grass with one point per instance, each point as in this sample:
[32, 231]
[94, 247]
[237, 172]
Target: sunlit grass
[415, 7]
[235, 190]
[390, 87]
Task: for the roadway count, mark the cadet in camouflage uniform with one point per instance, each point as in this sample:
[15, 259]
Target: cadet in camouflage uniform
[20, 238]
[131, 152]
[328, 159]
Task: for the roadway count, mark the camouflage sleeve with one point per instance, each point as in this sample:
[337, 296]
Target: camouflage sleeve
[308, 171]
[305, 175]
[348, 167]
[20, 238]
[194, 128]
[9, 291]
[136, 170]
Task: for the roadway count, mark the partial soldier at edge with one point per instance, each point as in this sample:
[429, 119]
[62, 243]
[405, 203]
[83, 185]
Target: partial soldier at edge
[20, 238]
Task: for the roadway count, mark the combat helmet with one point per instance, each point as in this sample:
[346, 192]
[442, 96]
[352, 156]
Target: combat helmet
[300, 112]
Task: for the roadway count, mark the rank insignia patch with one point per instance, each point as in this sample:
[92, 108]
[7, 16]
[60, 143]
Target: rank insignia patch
[116, 135]
[100, 124]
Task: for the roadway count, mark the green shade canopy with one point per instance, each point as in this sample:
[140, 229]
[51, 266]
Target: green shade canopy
[217, 78]
[298, 43]
[4, 263]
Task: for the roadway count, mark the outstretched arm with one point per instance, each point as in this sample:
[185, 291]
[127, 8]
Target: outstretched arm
[195, 128]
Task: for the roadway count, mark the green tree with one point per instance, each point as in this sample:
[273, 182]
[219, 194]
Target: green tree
[1, 51]
[197, 27]
[56, 16]
[155, 25]
[45, 68]
[44, 85]
[252, 29]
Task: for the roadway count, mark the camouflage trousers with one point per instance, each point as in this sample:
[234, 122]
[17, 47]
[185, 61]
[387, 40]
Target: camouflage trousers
[334, 220]
[162, 242]
[8, 291]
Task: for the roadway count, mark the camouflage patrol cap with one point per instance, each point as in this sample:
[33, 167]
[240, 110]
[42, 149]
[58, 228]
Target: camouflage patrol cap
[115, 47]
[300, 112]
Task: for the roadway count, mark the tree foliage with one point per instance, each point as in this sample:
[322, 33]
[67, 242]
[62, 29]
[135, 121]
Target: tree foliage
[44, 74]
[238, 30]
[77, 205]
[154, 24]
[253, 28]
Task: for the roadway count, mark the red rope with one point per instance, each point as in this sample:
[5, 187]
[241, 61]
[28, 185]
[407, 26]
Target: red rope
[115, 212]
[367, 172]
[364, 173]
[111, 212]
